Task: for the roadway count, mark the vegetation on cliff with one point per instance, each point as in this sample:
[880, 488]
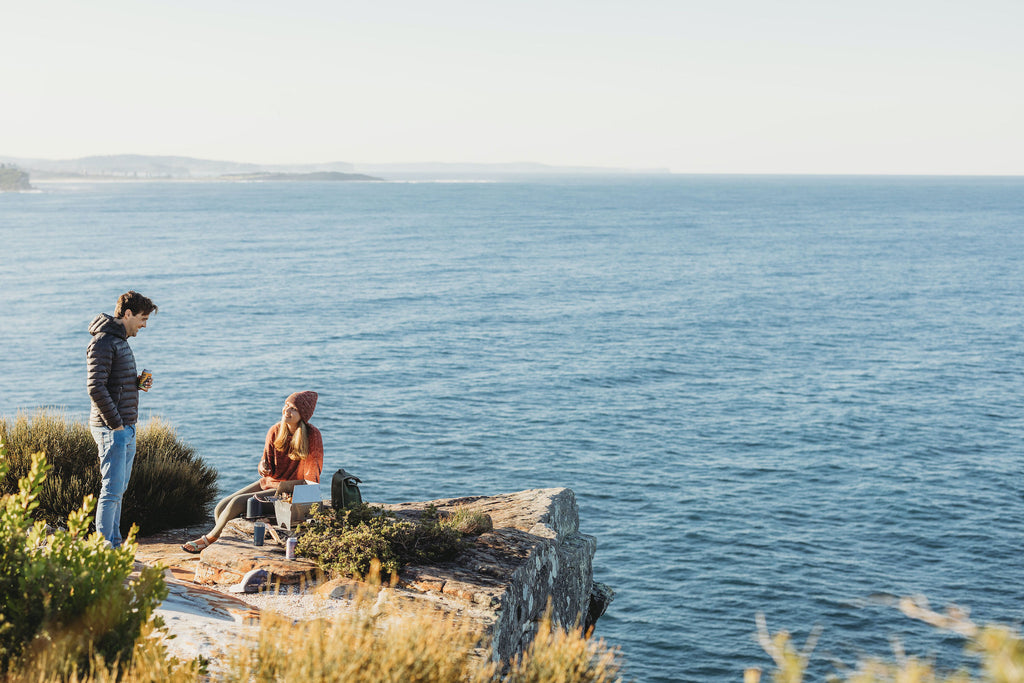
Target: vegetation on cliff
[71, 610]
[66, 597]
[351, 541]
[170, 488]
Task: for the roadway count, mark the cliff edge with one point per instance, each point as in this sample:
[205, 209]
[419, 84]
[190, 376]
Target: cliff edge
[534, 554]
[502, 582]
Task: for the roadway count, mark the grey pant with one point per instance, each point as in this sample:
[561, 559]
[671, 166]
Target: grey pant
[232, 506]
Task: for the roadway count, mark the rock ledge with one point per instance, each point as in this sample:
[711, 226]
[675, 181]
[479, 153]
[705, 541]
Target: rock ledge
[535, 555]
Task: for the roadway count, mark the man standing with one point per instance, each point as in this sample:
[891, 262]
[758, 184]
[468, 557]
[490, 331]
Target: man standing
[114, 387]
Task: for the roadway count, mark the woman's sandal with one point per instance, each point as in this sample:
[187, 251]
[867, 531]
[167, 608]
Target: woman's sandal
[197, 545]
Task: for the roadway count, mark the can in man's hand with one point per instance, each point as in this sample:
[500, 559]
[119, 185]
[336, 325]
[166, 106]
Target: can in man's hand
[144, 379]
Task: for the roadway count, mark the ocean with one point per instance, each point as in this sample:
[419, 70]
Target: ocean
[795, 396]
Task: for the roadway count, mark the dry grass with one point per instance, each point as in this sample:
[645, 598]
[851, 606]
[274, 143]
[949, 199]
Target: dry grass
[564, 656]
[999, 649]
[149, 662]
[377, 641]
[370, 645]
[469, 522]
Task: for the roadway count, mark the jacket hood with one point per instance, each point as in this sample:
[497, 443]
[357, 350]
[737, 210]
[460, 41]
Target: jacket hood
[107, 324]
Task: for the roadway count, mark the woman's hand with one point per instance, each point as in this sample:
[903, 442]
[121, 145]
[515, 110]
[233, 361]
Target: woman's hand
[265, 468]
[287, 487]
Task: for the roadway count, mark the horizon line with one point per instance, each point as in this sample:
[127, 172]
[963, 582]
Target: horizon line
[569, 168]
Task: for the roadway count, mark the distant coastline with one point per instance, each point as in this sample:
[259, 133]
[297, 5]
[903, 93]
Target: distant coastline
[333, 176]
[138, 167]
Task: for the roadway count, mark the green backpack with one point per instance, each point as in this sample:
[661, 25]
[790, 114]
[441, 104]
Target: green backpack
[345, 490]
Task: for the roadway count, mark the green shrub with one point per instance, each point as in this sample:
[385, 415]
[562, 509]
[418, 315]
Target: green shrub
[70, 451]
[66, 597]
[347, 541]
[170, 487]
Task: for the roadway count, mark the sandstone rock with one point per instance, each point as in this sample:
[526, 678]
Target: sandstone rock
[534, 556]
[503, 582]
[226, 561]
[337, 589]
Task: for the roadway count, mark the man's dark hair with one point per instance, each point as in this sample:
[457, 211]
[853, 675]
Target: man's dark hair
[134, 302]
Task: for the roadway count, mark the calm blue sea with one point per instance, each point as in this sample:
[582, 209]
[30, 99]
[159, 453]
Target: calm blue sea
[787, 395]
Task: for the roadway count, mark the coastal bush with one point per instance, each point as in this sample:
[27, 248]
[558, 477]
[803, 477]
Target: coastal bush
[171, 487]
[347, 541]
[66, 597]
[999, 649]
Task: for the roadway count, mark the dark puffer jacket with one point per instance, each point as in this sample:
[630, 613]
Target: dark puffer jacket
[113, 382]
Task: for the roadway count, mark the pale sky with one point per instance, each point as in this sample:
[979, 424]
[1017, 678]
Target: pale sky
[709, 86]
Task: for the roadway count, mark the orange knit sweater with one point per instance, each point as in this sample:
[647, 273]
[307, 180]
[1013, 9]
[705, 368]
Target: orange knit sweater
[276, 467]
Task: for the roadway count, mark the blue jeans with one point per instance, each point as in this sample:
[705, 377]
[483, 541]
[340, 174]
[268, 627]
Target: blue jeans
[117, 453]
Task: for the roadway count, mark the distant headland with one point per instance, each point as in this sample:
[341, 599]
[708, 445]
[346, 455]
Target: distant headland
[13, 179]
[148, 167]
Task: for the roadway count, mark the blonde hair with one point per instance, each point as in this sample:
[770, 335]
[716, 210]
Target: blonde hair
[298, 446]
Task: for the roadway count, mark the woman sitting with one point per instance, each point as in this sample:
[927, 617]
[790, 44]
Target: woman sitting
[293, 454]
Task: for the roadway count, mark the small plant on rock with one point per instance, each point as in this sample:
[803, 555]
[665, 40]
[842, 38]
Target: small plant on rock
[347, 541]
[469, 522]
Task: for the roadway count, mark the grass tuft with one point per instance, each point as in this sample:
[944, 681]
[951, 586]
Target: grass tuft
[372, 644]
[559, 655]
[468, 522]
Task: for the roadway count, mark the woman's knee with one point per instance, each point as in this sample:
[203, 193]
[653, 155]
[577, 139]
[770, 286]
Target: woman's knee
[235, 505]
[246, 492]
